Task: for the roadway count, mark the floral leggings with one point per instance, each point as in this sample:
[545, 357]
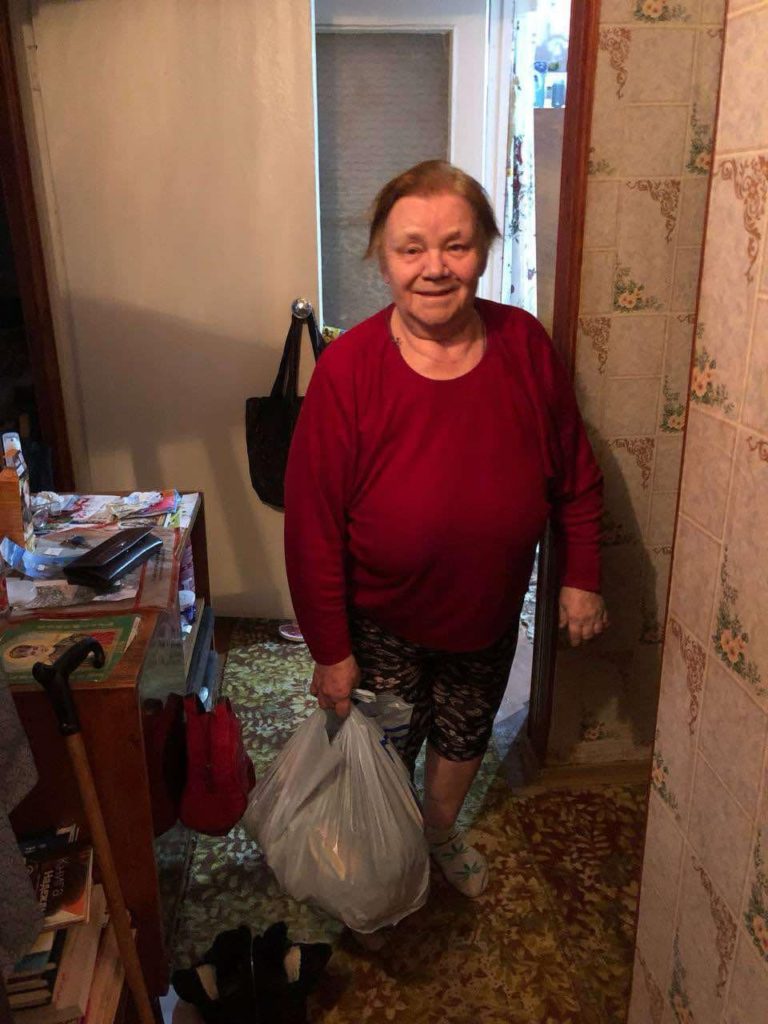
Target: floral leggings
[455, 696]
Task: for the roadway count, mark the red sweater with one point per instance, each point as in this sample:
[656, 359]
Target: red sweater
[419, 502]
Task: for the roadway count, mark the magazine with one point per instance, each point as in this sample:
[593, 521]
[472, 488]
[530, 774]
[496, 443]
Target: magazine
[22, 645]
[146, 504]
[182, 516]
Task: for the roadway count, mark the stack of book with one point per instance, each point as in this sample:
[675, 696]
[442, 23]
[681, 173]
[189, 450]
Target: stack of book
[73, 973]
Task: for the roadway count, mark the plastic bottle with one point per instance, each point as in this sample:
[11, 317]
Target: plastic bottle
[15, 499]
[539, 82]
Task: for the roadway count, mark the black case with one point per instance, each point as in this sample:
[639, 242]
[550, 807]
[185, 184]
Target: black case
[104, 565]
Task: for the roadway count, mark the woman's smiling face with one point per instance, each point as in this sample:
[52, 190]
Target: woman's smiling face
[432, 257]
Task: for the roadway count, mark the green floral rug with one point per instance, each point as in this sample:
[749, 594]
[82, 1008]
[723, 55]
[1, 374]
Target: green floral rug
[550, 940]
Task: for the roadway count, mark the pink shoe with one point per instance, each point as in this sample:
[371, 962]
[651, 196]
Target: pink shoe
[290, 631]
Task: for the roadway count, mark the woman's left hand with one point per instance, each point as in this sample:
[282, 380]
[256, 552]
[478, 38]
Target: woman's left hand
[583, 613]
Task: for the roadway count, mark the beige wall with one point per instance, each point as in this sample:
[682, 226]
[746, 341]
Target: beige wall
[702, 946]
[173, 143]
[653, 118]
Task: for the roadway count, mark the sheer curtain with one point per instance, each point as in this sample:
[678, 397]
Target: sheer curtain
[519, 231]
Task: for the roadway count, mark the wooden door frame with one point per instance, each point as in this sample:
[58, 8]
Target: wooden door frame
[582, 64]
[24, 227]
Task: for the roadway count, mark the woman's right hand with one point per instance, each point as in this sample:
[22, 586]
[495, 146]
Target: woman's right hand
[332, 685]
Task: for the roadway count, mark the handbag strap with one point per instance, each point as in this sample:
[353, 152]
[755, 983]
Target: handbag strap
[318, 341]
[287, 379]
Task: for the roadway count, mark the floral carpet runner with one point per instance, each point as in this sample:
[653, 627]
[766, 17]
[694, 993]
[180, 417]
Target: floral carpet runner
[549, 942]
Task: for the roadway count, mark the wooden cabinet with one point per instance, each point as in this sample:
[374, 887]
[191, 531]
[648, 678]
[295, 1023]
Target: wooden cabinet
[111, 719]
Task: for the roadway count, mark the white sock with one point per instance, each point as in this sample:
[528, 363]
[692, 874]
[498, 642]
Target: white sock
[463, 866]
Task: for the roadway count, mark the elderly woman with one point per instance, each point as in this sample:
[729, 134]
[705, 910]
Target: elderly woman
[435, 440]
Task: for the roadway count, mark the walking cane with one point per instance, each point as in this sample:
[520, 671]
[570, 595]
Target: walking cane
[55, 680]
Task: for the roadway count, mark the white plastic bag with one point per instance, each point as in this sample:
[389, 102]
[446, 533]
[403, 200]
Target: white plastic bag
[339, 824]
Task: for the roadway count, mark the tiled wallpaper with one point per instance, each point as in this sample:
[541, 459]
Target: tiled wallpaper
[702, 945]
[650, 151]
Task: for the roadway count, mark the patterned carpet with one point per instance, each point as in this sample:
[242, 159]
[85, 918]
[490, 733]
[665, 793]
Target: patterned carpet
[549, 942]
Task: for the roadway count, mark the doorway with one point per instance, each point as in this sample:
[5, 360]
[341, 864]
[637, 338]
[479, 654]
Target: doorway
[31, 399]
[482, 83]
[394, 87]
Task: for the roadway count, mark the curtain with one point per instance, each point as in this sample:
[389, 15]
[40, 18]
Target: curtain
[519, 231]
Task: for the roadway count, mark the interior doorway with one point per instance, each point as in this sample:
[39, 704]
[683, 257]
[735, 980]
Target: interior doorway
[537, 71]
[484, 84]
[396, 85]
[31, 399]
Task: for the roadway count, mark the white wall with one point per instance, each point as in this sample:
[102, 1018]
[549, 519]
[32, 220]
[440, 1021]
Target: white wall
[173, 145]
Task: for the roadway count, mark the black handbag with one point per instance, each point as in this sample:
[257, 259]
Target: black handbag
[270, 421]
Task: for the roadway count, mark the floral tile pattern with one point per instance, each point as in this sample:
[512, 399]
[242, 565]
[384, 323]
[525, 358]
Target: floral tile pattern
[712, 744]
[597, 165]
[731, 642]
[598, 330]
[660, 779]
[550, 940]
[616, 42]
[700, 153]
[725, 927]
[655, 997]
[750, 183]
[660, 10]
[641, 449]
[694, 657]
[678, 994]
[673, 410]
[629, 295]
[667, 194]
[615, 532]
[651, 146]
[756, 914]
[706, 389]
[759, 445]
